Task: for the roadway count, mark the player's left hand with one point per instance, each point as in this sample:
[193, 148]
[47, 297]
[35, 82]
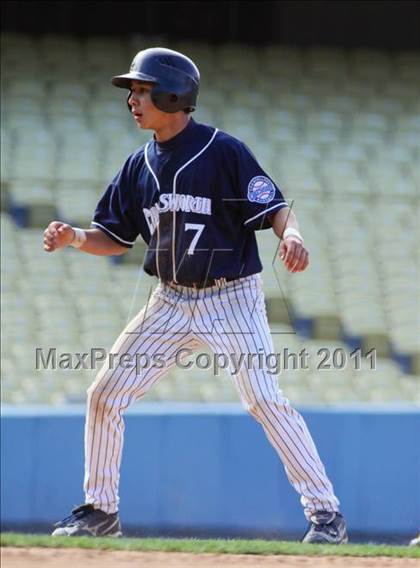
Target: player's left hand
[294, 254]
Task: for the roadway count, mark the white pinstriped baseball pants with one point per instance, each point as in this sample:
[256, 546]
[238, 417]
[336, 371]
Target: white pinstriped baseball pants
[228, 319]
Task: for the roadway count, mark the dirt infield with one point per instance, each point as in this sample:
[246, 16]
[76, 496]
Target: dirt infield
[75, 558]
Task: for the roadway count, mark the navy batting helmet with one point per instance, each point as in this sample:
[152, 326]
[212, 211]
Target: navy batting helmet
[176, 78]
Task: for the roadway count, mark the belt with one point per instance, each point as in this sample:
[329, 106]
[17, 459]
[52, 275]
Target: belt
[204, 284]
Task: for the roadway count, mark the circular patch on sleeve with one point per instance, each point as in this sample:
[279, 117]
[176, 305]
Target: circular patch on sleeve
[261, 190]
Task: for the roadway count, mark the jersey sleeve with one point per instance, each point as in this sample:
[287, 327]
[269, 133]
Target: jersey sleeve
[259, 195]
[114, 214]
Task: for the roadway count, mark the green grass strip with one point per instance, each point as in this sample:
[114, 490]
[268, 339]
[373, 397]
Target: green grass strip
[215, 546]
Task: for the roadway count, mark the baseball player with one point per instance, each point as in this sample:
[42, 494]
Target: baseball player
[196, 195]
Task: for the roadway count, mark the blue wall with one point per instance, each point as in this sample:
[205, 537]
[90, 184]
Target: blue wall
[210, 468]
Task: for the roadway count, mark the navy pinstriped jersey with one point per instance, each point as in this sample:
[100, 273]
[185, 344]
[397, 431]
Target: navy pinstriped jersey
[196, 200]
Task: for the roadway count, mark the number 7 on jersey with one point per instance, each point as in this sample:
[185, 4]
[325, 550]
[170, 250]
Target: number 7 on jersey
[194, 227]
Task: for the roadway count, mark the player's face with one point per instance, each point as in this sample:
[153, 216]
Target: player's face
[146, 115]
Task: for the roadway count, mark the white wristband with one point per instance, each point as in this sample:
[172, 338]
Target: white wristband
[79, 237]
[291, 231]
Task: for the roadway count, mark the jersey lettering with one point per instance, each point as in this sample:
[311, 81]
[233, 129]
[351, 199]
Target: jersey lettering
[179, 202]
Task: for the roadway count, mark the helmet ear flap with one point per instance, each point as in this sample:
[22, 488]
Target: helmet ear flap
[166, 101]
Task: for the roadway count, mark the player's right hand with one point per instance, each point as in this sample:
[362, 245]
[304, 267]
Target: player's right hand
[58, 235]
